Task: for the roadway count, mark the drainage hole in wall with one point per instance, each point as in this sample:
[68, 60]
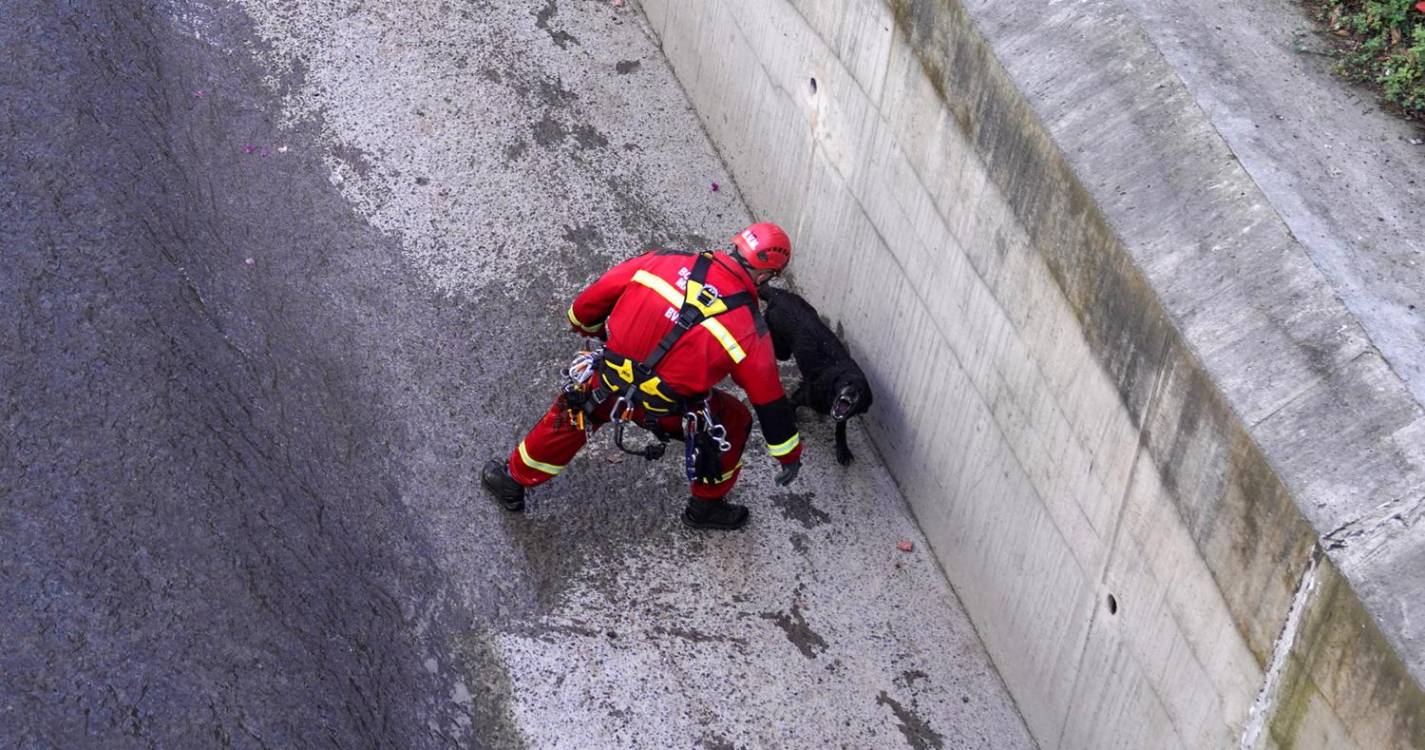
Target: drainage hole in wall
[1112, 605]
[813, 86]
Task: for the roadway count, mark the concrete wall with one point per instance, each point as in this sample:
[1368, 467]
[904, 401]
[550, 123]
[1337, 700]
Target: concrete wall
[1092, 477]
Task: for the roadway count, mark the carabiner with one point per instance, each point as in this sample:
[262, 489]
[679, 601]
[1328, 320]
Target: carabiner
[719, 434]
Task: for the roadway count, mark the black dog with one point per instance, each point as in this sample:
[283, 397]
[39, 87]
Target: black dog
[832, 383]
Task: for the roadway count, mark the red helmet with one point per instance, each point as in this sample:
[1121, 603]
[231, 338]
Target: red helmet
[763, 247]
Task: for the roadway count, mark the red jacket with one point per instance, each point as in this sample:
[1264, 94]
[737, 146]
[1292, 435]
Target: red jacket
[638, 300]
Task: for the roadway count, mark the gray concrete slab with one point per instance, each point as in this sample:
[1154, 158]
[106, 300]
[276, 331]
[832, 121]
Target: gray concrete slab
[285, 275]
[1343, 173]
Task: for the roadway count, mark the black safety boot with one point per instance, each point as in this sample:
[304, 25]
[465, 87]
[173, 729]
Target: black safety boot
[714, 514]
[496, 478]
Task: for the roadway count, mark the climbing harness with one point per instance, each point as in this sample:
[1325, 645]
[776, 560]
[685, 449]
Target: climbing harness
[635, 386]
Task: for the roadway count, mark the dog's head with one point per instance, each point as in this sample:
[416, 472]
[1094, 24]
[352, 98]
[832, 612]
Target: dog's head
[853, 396]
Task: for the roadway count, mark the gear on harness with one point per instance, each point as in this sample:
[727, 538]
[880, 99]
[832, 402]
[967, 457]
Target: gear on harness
[622, 416]
[704, 442]
[577, 386]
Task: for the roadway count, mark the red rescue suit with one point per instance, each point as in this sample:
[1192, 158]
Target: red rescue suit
[633, 305]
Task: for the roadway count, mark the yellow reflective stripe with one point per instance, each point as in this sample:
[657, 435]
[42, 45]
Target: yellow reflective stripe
[586, 329]
[725, 337]
[660, 285]
[549, 469]
[729, 474]
[718, 330]
[782, 449]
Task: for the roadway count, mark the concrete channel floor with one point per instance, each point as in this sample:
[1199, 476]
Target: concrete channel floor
[284, 275]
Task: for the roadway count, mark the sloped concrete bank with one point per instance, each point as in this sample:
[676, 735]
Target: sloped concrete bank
[1173, 480]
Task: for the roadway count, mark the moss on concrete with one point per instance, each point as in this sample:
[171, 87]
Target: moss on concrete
[1342, 657]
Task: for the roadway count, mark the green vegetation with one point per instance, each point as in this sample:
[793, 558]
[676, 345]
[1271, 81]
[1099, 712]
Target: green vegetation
[1384, 45]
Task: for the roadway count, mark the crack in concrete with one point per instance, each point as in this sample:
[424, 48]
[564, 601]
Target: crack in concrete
[1264, 707]
[1378, 525]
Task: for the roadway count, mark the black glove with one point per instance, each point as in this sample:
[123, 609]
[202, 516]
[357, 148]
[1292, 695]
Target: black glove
[788, 474]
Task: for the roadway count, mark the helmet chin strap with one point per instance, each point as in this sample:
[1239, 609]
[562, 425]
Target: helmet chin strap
[741, 261]
[751, 271]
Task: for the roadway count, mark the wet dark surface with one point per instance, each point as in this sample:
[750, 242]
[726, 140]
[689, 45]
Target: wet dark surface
[213, 373]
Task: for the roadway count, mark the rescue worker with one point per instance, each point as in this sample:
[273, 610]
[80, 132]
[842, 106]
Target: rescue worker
[674, 325]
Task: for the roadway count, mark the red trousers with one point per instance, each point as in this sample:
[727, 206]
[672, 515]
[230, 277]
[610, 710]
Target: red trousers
[554, 441]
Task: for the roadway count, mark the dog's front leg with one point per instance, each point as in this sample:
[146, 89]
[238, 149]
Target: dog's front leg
[843, 451]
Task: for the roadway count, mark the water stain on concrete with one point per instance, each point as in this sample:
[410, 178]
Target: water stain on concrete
[799, 542]
[516, 150]
[715, 742]
[807, 641]
[542, 18]
[697, 636]
[551, 632]
[636, 215]
[548, 131]
[550, 91]
[587, 137]
[918, 733]
[585, 238]
[490, 703]
[624, 67]
[797, 506]
[354, 157]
